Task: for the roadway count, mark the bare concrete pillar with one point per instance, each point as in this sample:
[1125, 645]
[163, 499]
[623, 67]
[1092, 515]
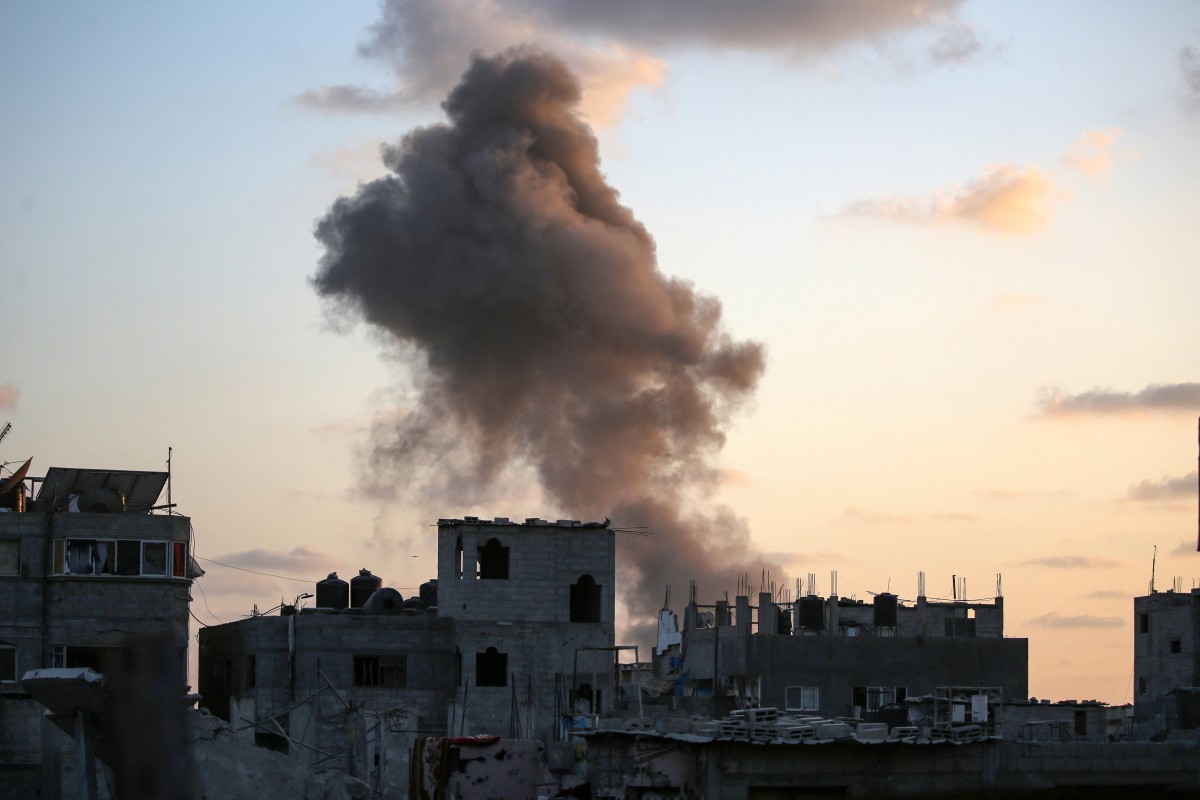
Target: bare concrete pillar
[721, 618]
[742, 615]
[768, 620]
[922, 614]
[833, 614]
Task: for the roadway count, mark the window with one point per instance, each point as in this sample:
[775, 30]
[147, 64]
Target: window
[872, 698]
[78, 657]
[458, 558]
[1143, 623]
[8, 663]
[1143, 686]
[493, 561]
[129, 557]
[251, 671]
[491, 668]
[585, 600]
[1080, 722]
[388, 671]
[10, 556]
[802, 698]
[1176, 646]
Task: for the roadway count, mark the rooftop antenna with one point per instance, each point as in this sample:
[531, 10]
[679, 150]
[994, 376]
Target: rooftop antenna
[8, 427]
[1153, 564]
[170, 507]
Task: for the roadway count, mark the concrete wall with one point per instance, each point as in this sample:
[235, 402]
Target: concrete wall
[1160, 620]
[741, 771]
[76, 611]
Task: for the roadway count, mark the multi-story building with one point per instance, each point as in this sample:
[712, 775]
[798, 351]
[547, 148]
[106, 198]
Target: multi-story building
[517, 635]
[1166, 661]
[843, 657]
[85, 563]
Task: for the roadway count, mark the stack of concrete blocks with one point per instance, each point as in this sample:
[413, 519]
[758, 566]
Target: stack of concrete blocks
[871, 732]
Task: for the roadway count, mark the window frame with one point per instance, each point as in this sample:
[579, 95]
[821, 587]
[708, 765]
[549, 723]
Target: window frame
[173, 555]
[813, 693]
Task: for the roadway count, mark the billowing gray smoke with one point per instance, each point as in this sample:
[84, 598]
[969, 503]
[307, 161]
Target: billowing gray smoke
[528, 300]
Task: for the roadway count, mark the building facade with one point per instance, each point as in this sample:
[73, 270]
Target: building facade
[518, 634]
[1166, 661]
[842, 657]
[84, 565]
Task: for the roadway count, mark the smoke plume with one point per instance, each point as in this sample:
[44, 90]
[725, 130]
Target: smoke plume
[527, 301]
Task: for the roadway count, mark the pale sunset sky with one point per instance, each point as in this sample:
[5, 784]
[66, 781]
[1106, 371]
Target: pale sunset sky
[966, 234]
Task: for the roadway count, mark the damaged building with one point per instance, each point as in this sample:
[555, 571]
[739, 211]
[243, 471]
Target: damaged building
[87, 559]
[843, 657]
[1166, 662]
[517, 629]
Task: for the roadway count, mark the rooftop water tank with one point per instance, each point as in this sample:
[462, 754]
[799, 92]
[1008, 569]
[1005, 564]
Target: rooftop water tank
[384, 601]
[812, 612]
[362, 586]
[333, 592]
[885, 610]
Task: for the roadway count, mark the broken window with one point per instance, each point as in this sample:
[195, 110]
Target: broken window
[871, 698]
[1176, 646]
[154, 558]
[493, 561]
[79, 657]
[10, 557]
[8, 662]
[491, 668]
[585, 600]
[802, 698]
[127, 557]
[381, 671]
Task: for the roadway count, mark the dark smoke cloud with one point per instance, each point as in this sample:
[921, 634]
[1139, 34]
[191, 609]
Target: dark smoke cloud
[527, 302]
[1156, 397]
[1189, 70]
[425, 43]
[1166, 489]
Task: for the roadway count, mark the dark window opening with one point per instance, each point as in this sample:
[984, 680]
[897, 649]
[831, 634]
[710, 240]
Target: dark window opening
[585, 600]
[493, 561]
[1176, 646]
[271, 741]
[1143, 623]
[129, 557]
[391, 671]
[251, 672]
[1080, 723]
[491, 668]
[93, 658]
[1143, 686]
[8, 662]
[583, 699]
[458, 558]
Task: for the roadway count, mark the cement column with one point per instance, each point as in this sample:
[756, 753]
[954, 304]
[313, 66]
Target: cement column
[742, 619]
[833, 614]
[768, 620]
[922, 612]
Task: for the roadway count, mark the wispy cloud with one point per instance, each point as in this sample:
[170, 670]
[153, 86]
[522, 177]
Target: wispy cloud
[1185, 548]
[1189, 70]
[1164, 489]
[616, 47]
[1091, 153]
[860, 516]
[8, 396]
[289, 562]
[1072, 562]
[1108, 594]
[1056, 620]
[1168, 397]
[1005, 199]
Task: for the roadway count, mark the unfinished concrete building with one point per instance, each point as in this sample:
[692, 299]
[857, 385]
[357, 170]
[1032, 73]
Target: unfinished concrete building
[1166, 662]
[843, 657]
[84, 564]
[515, 633]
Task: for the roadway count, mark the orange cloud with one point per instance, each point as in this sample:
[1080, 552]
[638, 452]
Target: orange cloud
[1090, 153]
[8, 396]
[1006, 199]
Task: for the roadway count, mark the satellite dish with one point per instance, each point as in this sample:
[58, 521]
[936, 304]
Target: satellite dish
[16, 478]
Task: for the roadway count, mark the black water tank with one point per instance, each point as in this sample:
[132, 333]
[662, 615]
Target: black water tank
[362, 586]
[812, 612]
[885, 610]
[383, 602]
[784, 626]
[429, 594]
[333, 592]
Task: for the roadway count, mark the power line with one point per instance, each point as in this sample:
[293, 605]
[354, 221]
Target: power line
[256, 572]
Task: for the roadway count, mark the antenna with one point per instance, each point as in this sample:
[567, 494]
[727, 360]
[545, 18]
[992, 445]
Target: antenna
[170, 507]
[8, 427]
[1153, 564]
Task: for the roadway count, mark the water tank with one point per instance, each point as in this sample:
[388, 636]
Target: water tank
[333, 592]
[812, 612]
[384, 601]
[362, 586]
[429, 594]
[784, 626]
[885, 610]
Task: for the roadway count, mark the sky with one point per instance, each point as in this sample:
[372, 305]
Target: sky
[963, 240]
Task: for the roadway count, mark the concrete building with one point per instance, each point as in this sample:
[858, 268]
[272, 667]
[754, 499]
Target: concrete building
[842, 657]
[1166, 662]
[517, 635]
[85, 563]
